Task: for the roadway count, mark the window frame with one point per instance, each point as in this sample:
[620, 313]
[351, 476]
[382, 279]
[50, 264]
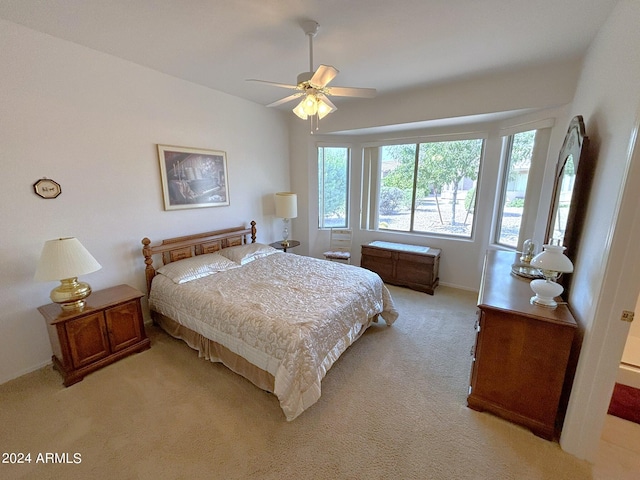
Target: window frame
[534, 182]
[372, 186]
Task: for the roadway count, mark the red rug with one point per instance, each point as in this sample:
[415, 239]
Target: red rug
[625, 403]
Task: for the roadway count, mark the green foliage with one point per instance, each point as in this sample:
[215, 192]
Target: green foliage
[470, 199]
[447, 163]
[436, 164]
[517, 202]
[391, 200]
[333, 168]
[522, 149]
[402, 176]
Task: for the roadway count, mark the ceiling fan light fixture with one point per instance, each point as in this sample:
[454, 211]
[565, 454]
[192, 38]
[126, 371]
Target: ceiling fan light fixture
[324, 109]
[299, 110]
[313, 87]
[310, 105]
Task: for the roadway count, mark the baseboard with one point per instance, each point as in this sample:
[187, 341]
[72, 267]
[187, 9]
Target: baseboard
[458, 287]
[628, 375]
[26, 371]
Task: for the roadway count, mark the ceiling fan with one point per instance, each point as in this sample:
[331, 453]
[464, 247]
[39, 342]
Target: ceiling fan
[313, 86]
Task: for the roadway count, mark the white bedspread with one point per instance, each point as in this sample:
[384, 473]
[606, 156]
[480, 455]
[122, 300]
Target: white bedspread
[290, 315]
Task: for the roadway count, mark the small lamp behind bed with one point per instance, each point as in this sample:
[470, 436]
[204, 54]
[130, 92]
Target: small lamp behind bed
[286, 208]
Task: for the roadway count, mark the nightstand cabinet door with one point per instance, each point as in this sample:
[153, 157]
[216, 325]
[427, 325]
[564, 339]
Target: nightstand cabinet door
[87, 338]
[123, 325]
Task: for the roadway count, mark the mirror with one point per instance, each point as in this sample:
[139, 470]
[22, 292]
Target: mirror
[560, 213]
[574, 173]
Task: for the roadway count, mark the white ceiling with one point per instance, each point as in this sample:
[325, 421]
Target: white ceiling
[384, 44]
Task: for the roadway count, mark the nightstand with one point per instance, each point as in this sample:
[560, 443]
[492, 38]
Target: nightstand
[109, 328]
[279, 246]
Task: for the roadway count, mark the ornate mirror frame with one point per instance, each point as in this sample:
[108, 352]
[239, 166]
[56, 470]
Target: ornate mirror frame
[575, 147]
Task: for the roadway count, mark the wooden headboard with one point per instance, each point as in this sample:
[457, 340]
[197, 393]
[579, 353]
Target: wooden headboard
[177, 248]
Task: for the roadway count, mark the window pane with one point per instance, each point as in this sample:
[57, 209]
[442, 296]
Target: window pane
[397, 165]
[333, 181]
[447, 174]
[519, 151]
[429, 187]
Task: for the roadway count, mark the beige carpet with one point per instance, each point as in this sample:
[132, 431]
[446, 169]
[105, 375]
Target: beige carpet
[392, 407]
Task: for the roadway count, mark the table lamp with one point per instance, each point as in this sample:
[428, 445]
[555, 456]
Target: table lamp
[552, 263]
[286, 208]
[65, 259]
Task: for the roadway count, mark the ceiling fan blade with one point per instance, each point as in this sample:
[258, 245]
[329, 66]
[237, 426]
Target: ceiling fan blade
[273, 84]
[326, 100]
[351, 92]
[285, 99]
[324, 74]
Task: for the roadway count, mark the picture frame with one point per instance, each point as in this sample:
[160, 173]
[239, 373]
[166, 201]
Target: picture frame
[47, 188]
[193, 177]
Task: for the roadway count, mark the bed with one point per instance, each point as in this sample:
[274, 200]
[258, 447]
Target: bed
[280, 320]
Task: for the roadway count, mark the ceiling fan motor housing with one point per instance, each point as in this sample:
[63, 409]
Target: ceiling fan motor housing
[310, 27]
[304, 77]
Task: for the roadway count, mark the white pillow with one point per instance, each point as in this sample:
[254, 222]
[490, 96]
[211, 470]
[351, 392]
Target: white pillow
[199, 266]
[246, 253]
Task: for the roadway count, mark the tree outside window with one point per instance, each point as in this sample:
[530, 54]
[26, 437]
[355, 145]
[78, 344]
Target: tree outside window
[429, 187]
[333, 184]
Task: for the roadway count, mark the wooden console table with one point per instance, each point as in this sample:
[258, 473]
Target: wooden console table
[522, 350]
[412, 266]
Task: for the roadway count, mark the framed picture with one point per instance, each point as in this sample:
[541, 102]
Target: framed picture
[193, 178]
[47, 188]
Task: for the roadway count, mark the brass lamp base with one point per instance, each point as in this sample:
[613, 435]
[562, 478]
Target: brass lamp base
[70, 294]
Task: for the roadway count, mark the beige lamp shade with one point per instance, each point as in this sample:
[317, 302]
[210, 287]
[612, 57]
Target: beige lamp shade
[64, 259]
[286, 205]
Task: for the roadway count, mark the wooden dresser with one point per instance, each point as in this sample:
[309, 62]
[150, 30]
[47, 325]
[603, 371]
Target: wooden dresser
[412, 266]
[521, 352]
[109, 328]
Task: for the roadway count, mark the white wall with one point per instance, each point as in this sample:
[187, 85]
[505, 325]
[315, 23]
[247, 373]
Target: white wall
[91, 122]
[606, 279]
[634, 330]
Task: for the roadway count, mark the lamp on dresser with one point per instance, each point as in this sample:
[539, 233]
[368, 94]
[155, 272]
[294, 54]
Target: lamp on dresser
[552, 262]
[65, 259]
[286, 208]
